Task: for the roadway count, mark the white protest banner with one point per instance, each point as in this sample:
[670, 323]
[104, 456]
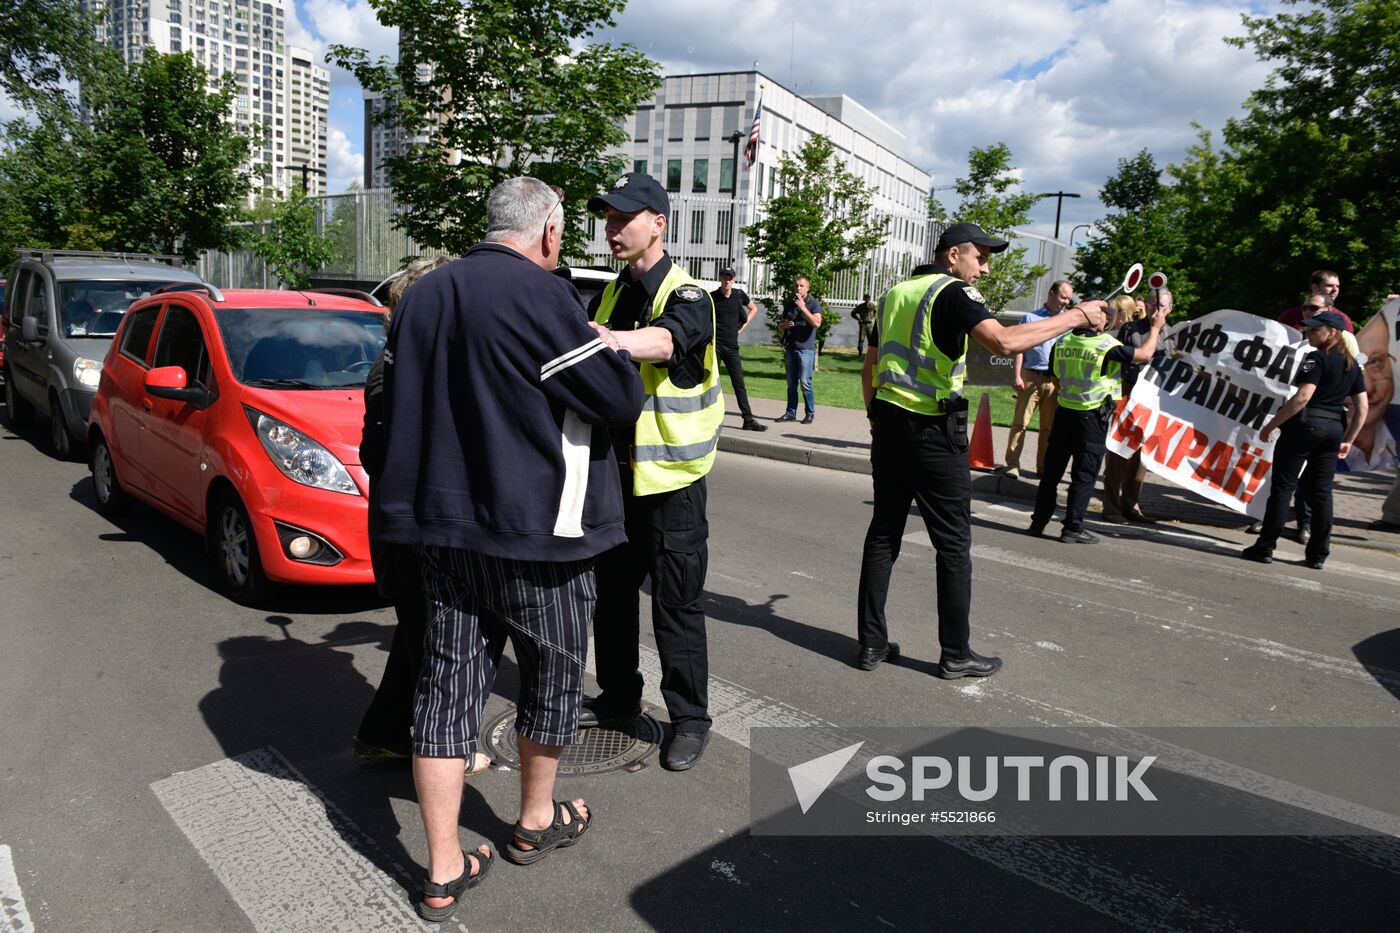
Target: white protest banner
[1379, 342]
[1196, 411]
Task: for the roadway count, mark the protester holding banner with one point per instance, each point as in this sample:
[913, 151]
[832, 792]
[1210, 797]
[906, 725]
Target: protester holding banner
[1087, 364]
[1123, 476]
[1311, 435]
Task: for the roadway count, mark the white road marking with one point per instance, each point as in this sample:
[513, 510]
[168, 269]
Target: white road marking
[290, 859]
[14, 916]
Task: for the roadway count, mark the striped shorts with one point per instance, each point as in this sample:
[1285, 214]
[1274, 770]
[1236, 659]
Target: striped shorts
[474, 603]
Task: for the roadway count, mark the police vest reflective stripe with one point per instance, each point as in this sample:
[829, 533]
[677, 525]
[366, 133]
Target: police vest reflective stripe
[1079, 365]
[678, 430]
[912, 372]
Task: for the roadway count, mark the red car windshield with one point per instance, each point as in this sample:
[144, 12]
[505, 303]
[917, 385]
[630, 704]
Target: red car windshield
[300, 348]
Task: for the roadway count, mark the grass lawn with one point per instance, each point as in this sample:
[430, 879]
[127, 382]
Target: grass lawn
[837, 382]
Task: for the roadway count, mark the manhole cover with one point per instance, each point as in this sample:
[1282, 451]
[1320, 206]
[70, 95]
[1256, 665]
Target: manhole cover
[594, 750]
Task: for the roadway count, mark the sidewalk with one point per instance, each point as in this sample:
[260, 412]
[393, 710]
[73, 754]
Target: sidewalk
[839, 439]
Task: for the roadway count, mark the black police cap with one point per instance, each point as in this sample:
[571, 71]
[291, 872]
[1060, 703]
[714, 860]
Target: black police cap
[958, 234]
[634, 191]
[1330, 318]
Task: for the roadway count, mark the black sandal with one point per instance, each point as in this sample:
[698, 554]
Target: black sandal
[456, 888]
[558, 835]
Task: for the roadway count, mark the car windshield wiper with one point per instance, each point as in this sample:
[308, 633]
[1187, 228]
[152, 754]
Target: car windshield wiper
[284, 384]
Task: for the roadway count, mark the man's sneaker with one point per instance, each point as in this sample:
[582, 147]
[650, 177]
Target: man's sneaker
[810, 418]
[786, 418]
[752, 425]
[974, 665]
[594, 713]
[1078, 537]
[1314, 562]
[1257, 554]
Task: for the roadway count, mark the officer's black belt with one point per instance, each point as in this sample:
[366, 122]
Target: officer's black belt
[1032, 369]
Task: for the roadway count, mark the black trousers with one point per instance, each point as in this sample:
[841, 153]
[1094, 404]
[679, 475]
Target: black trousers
[668, 542]
[1078, 437]
[1310, 443]
[729, 356]
[388, 722]
[913, 459]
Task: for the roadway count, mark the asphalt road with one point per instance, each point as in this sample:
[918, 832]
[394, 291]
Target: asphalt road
[172, 761]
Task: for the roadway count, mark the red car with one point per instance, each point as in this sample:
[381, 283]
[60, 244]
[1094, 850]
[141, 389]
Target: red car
[239, 414]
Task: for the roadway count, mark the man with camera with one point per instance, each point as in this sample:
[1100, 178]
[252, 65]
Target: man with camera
[912, 380]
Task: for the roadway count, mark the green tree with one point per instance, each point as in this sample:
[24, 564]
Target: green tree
[43, 42]
[291, 245]
[498, 88]
[163, 170]
[40, 198]
[1307, 177]
[1144, 224]
[820, 224]
[990, 200]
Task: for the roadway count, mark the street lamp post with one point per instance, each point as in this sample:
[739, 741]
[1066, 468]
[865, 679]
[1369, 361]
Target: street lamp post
[1072, 231]
[1059, 197]
[733, 138]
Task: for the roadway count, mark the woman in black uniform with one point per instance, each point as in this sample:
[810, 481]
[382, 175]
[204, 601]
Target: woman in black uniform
[1315, 430]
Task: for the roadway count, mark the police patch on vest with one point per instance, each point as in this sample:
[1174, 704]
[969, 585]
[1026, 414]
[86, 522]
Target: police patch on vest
[689, 293]
[1308, 366]
[974, 294]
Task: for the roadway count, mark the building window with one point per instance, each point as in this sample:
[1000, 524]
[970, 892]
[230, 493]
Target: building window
[639, 166]
[726, 176]
[643, 131]
[675, 125]
[697, 226]
[673, 174]
[700, 179]
[702, 122]
[722, 221]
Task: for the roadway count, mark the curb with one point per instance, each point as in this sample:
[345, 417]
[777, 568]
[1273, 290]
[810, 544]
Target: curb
[985, 485]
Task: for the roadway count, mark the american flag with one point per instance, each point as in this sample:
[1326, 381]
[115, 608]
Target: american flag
[751, 150]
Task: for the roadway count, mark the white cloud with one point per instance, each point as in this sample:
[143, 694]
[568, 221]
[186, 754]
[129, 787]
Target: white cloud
[344, 163]
[1085, 83]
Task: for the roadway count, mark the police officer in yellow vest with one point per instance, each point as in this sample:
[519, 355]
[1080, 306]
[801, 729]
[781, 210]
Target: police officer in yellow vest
[913, 377]
[1087, 366]
[657, 313]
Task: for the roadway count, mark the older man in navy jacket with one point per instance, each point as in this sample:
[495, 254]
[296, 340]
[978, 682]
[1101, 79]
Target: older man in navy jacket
[496, 391]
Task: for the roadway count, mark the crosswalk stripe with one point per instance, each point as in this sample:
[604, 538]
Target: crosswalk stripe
[14, 916]
[291, 859]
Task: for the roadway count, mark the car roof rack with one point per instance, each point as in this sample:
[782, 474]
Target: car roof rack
[347, 293]
[47, 254]
[214, 293]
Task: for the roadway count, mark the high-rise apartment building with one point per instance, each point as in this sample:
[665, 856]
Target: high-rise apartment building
[281, 89]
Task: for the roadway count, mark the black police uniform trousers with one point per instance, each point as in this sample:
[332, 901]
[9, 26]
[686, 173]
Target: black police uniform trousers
[1078, 437]
[913, 458]
[1309, 440]
[729, 356]
[668, 541]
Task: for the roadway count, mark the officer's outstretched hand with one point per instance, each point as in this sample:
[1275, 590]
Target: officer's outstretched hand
[1096, 311]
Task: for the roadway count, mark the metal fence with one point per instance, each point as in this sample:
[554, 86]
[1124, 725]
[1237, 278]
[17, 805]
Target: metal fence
[704, 237]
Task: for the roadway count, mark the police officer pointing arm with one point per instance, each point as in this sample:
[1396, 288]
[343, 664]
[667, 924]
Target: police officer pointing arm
[912, 381]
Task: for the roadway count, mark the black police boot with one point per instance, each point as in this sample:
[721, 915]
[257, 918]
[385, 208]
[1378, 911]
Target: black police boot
[869, 658]
[1304, 534]
[974, 665]
[1078, 537]
[594, 713]
[685, 750]
[1257, 554]
[751, 424]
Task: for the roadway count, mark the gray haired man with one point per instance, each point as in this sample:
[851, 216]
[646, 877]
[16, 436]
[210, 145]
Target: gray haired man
[497, 469]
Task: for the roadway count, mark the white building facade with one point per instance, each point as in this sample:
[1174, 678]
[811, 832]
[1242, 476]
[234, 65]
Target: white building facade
[281, 89]
[685, 138]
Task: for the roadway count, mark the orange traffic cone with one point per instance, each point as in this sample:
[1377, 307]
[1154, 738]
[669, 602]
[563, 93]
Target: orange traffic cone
[979, 455]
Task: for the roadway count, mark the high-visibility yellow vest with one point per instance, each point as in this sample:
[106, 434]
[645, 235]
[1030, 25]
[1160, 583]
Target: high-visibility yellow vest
[678, 431]
[1084, 385]
[911, 371]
